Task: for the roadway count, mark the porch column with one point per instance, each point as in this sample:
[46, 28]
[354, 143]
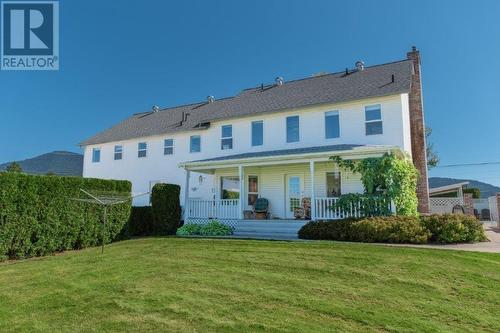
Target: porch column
[313, 194]
[242, 190]
[186, 194]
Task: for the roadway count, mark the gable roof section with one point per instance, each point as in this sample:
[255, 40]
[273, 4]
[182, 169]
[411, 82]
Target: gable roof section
[374, 81]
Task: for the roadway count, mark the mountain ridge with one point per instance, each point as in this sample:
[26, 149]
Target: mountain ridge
[63, 163]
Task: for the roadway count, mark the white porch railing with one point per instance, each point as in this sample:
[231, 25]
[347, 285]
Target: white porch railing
[212, 209]
[324, 209]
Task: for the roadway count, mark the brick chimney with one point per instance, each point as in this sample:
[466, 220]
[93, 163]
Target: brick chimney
[417, 128]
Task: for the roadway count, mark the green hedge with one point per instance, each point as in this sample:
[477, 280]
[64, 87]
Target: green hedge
[454, 228]
[398, 229]
[38, 215]
[139, 224]
[166, 208]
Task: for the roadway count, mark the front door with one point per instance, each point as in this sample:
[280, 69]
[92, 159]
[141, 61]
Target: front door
[293, 194]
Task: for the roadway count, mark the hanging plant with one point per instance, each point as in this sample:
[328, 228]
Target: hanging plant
[388, 176]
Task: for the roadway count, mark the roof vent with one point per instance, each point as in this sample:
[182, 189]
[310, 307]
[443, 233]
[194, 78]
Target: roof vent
[155, 108]
[210, 99]
[360, 65]
[279, 81]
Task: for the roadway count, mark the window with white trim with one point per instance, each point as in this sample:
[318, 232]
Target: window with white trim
[257, 133]
[168, 146]
[96, 155]
[118, 152]
[332, 125]
[253, 189]
[226, 141]
[333, 184]
[292, 129]
[142, 149]
[373, 120]
[194, 144]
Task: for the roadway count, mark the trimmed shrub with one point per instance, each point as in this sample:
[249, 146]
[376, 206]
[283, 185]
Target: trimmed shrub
[332, 230]
[454, 228]
[389, 229]
[189, 229]
[166, 208]
[213, 228]
[38, 215]
[140, 223]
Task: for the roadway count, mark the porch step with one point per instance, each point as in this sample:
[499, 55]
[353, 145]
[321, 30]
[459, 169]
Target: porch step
[268, 229]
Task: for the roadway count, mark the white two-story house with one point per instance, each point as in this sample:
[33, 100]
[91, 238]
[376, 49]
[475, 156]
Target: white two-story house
[271, 141]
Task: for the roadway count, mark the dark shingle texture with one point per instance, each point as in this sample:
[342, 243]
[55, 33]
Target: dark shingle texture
[284, 152]
[330, 88]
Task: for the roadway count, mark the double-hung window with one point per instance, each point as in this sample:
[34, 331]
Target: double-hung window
[257, 133]
[168, 147]
[333, 184]
[253, 189]
[96, 155]
[118, 152]
[373, 120]
[142, 149]
[332, 125]
[195, 144]
[292, 129]
[226, 137]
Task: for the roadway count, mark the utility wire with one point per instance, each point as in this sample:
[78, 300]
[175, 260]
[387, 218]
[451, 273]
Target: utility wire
[466, 164]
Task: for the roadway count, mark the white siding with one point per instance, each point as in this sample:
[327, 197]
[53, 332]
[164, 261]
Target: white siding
[272, 184]
[157, 167]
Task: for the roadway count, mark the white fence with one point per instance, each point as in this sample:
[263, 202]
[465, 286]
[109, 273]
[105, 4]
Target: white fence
[444, 205]
[493, 203]
[325, 209]
[212, 209]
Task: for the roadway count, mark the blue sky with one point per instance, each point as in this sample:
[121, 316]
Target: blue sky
[121, 57]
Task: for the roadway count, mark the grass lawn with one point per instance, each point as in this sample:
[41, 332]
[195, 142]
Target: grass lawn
[202, 285]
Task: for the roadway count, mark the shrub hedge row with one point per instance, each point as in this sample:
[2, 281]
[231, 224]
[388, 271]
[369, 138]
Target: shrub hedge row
[39, 216]
[446, 228]
[162, 218]
[166, 208]
[213, 228]
[139, 224]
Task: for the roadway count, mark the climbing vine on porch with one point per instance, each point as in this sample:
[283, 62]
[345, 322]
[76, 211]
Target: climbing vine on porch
[390, 177]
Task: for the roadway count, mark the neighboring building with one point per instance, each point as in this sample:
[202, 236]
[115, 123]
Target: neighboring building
[276, 138]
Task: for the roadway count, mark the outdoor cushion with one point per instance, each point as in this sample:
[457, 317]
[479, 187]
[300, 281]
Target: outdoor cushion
[261, 205]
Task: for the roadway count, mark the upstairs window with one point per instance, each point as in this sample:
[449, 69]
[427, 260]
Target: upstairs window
[118, 152]
[292, 129]
[168, 147]
[257, 133]
[96, 155]
[332, 125]
[195, 144]
[142, 149]
[373, 120]
[226, 137]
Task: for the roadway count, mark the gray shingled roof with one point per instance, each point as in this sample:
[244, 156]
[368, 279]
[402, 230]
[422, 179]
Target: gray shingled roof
[284, 152]
[329, 88]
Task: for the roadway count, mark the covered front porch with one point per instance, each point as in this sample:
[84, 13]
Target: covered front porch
[293, 181]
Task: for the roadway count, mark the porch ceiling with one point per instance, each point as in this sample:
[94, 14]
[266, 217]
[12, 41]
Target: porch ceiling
[289, 156]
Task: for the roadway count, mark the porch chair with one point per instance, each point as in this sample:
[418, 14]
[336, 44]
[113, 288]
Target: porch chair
[485, 214]
[260, 208]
